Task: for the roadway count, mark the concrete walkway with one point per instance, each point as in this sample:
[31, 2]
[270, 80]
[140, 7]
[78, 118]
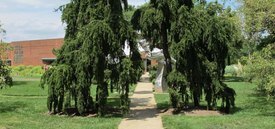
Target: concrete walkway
[143, 110]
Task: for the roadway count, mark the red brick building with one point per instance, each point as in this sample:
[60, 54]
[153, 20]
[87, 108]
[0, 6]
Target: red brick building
[33, 52]
[40, 53]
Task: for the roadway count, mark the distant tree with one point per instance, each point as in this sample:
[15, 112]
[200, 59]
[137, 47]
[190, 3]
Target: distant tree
[5, 78]
[259, 19]
[4, 50]
[4, 47]
[95, 37]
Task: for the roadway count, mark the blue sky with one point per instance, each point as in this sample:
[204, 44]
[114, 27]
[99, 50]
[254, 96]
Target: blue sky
[35, 19]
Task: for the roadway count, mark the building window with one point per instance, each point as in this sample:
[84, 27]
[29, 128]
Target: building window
[18, 54]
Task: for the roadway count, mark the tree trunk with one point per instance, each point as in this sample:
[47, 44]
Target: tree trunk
[164, 40]
[196, 98]
[102, 87]
[228, 60]
[112, 86]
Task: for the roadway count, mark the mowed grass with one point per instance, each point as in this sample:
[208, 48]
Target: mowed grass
[253, 111]
[23, 106]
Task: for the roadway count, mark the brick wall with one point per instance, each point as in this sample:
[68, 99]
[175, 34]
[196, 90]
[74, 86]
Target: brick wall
[31, 52]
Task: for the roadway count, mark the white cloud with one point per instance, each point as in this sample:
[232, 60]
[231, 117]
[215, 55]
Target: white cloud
[25, 26]
[31, 19]
[35, 19]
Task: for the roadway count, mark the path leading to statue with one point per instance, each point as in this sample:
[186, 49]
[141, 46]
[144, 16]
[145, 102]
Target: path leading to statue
[143, 110]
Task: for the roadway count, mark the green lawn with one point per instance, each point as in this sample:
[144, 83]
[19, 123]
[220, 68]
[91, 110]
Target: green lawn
[23, 106]
[253, 111]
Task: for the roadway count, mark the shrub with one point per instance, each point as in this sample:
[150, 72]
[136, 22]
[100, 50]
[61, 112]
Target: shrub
[5, 79]
[260, 69]
[27, 71]
[230, 71]
[234, 70]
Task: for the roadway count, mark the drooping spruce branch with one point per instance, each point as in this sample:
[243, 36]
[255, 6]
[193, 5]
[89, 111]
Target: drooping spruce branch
[201, 49]
[95, 37]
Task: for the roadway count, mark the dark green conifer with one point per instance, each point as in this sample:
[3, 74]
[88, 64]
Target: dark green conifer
[95, 37]
[198, 36]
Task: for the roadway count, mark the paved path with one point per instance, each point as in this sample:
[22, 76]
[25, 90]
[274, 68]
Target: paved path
[143, 110]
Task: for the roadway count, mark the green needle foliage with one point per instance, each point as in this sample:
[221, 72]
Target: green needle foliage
[199, 36]
[126, 75]
[93, 52]
[201, 49]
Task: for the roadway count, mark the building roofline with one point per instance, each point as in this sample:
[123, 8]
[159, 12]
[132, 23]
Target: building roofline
[20, 41]
[48, 58]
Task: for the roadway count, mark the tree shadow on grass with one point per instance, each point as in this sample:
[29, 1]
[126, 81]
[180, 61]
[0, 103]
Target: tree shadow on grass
[233, 79]
[235, 110]
[163, 105]
[16, 95]
[112, 110]
[10, 106]
[19, 83]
